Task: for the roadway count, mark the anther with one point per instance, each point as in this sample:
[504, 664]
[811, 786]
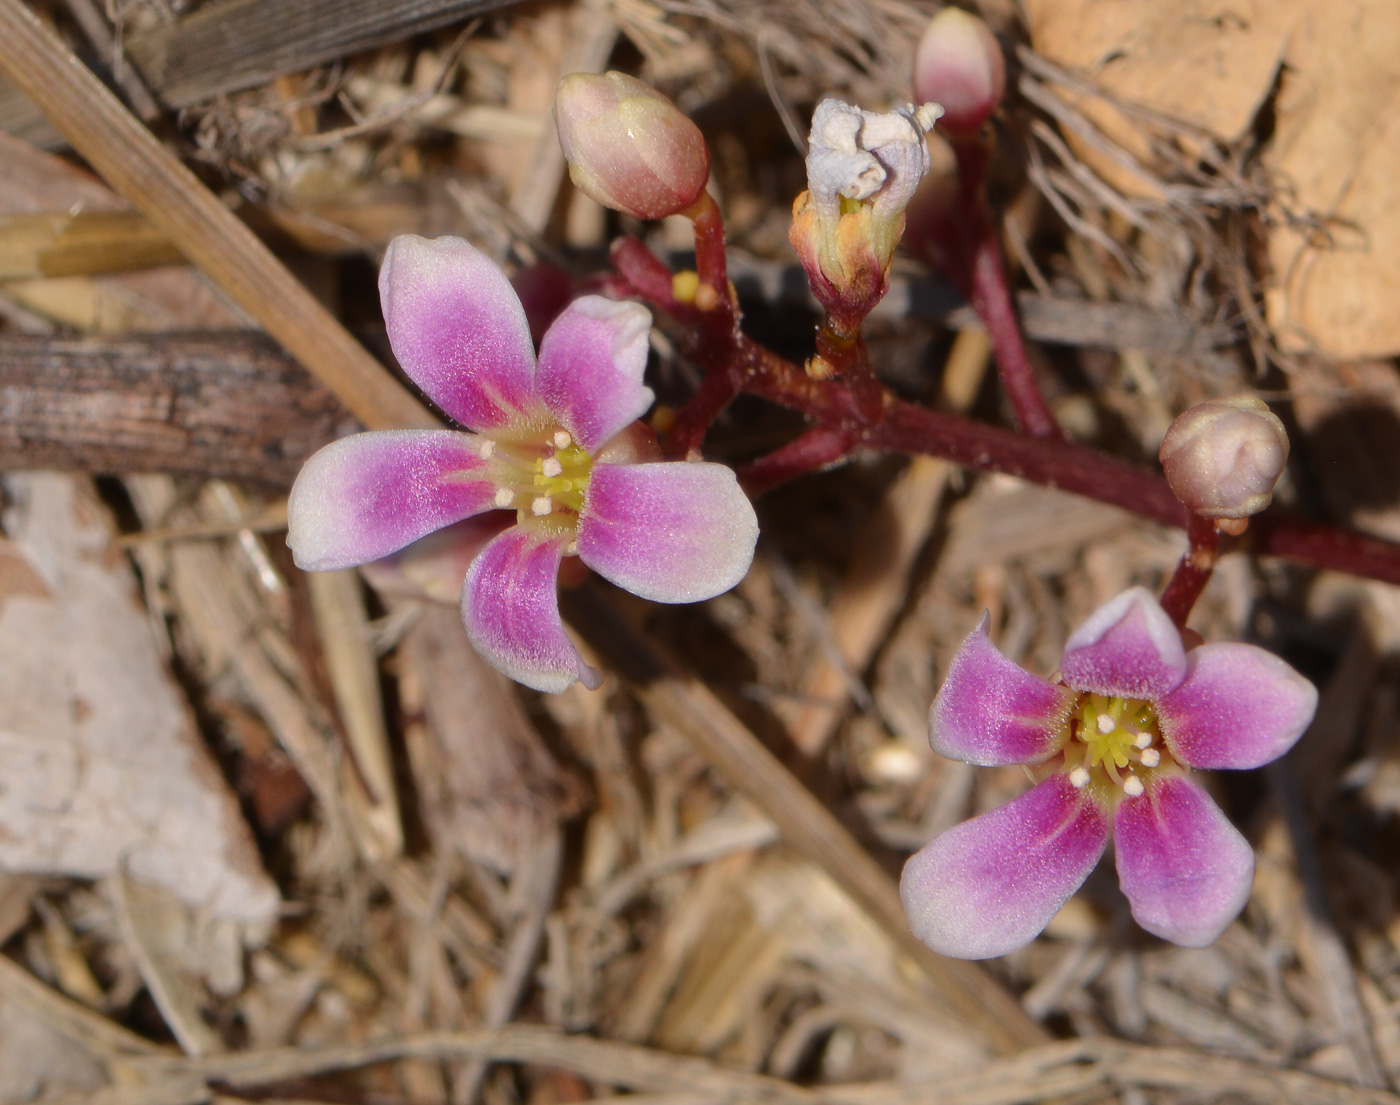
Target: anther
[1105, 724]
[487, 448]
[1132, 786]
[562, 440]
[551, 467]
[541, 506]
[571, 549]
[1079, 778]
[1144, 740]
[1150, 757]
[504, 496]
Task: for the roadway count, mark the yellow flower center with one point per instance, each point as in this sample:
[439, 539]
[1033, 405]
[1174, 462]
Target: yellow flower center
[1116, 742]
[544, 477]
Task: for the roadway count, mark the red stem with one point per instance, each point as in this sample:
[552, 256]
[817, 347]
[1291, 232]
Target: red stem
[959, 237]
[818, 448]
[1194, 572]
[903, 427]
[991, 299]
[716, 391]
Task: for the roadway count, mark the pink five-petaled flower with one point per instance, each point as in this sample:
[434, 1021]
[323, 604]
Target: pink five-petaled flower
[1132, 714]
[556, 441]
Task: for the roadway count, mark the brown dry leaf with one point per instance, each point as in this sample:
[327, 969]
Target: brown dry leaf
[1334, 153]
[1337, 145]
[38, 1061]
[1207, 62]
[105, 772]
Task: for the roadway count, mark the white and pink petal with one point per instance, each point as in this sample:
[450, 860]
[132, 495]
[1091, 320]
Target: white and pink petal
[1238, 707]
[590, 370]
[510, 606]
[990, 711]
[368, 495]
[988, 886]
[671, 532]
[1187, 872]
[1128, 648]
[458, 330]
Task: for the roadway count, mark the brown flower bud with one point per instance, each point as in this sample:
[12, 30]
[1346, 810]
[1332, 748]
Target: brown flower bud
[1224, 457]
[628, 146]
[959, 66]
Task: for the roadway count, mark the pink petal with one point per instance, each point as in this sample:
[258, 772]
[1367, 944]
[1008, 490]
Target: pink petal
[988, 886]
[1238, 707]
[1128, 648]
[368, 495]
[591, 365]
[510, 604]
[991, 711]
[671, 532]
[1186, 870]
[458, 329]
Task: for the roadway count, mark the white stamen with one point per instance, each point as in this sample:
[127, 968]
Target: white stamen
[1150, 757]
[1079, 778]
[571, 549]
[541, 506]
[1132, 786]
[551, 467]
[1144, 740]
[1105, 724]
[487, 448]
[562, 440]
[504, 496]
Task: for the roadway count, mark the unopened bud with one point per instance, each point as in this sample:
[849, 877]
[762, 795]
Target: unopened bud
[863, 168]
[628, 146]
[959, 66]
[1224, 457]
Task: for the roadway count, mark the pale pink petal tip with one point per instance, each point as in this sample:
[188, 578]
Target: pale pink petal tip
[591, 365]
[1128, 648]
[458, 330]
[369, 495]
[1238, 707]
[990, 885]
[991, 711]
[670, 532]
[1186, 871]
[510, 606]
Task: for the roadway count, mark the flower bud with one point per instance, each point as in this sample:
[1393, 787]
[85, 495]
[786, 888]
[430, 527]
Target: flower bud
[959, 66]
[1223, 457]
[863, 168]
[628, 146]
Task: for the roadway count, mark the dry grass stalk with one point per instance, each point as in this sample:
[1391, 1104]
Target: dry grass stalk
[136, 165]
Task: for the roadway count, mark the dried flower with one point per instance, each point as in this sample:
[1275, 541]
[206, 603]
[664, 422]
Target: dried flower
[1118, 735]
[1224, 457]
[863, 167]
[959, 66]
[554, 441]
[628, 146]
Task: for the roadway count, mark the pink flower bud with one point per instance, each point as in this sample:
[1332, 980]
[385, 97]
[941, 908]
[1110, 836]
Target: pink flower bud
[959, 66]
[1223, 457]
[628, 146]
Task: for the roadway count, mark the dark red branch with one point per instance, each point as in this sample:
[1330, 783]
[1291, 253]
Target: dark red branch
[960, 238]
[814, 450]
[1194, 572]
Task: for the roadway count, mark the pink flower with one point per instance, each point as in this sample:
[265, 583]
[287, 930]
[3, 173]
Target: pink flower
[1132, 714]
[555, 440]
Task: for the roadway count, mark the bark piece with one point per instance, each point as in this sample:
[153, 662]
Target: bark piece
[489, 786]
[229, 405]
